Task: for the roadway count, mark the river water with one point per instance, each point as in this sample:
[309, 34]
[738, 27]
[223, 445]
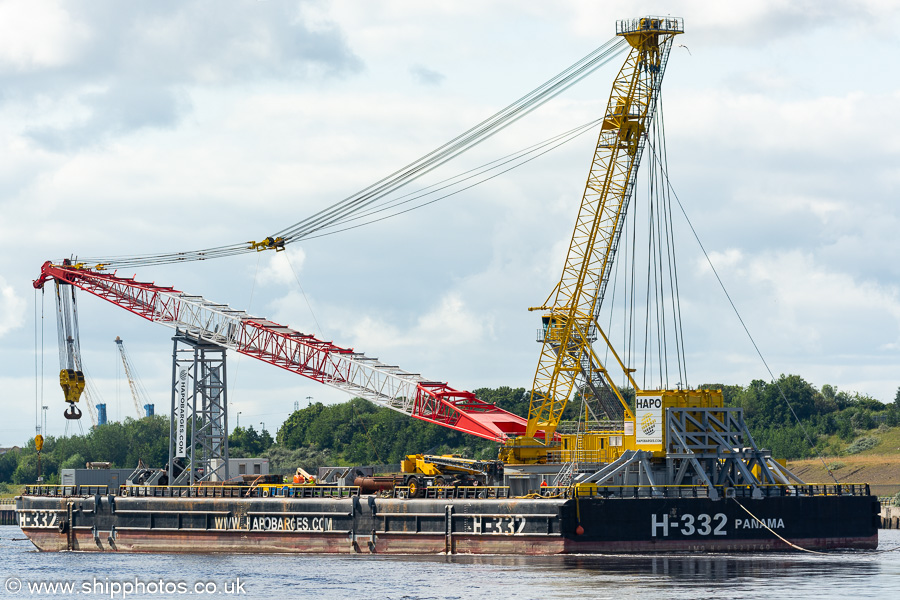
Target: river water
[846, 575]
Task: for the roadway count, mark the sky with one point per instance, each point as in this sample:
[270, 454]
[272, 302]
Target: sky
[153, 127]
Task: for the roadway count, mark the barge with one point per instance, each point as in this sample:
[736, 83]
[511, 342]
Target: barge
[679, 473]
[329, 519]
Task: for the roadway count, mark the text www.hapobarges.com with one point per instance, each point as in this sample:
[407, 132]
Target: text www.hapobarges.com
[122, 588]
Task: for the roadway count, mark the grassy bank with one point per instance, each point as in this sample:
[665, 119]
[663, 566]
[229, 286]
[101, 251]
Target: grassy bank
[881, 471]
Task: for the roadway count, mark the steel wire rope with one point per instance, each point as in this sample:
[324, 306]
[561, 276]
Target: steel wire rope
[647, 342]
[679, 323]
[658, 284]
[660, 301]
[453, 193]
[667, 258]
[661, 283]
[468, 139]
[237, 366]
[43, 327]
[667, 230]
[321, 331]
[631, 309]
[747, 330]
[793, 545]
[562, 138]
[773, 532]
[356, 202]
[37, 410]
[612, 303]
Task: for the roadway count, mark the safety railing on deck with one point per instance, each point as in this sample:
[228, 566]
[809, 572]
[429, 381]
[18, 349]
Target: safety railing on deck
[182, 491]
[304, 491]
[65, 490]
[239, 491]
[702, 491]
[458, 492]
[472, 492]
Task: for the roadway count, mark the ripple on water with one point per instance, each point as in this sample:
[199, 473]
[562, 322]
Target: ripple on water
[795, 575]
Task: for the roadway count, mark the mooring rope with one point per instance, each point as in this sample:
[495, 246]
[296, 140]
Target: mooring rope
[795, 546]
[775, 533]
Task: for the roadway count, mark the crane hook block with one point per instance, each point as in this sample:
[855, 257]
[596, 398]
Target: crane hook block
[72, 383]
[270, 243]
[72, 412]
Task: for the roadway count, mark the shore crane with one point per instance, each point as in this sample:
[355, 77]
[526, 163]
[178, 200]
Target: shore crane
[138, 393]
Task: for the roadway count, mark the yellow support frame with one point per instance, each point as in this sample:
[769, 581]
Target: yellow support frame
[566, 341]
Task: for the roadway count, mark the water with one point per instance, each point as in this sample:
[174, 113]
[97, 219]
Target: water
[850, 574]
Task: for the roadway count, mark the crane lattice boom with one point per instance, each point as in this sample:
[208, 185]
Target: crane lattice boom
[325, 362]
[570, 328]
[137, 393]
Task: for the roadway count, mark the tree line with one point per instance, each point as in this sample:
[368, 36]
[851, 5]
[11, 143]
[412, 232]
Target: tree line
[790, 417]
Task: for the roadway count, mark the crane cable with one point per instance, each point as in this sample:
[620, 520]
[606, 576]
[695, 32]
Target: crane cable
[746, 329]
[516, 159]
[375, 196]
[472, 137]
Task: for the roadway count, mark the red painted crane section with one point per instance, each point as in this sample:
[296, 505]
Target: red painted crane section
[325, 362]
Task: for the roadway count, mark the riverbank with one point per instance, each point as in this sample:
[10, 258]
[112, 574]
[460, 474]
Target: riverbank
[880, 471]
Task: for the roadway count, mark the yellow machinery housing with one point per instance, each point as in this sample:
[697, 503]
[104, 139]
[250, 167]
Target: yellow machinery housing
[646, 432]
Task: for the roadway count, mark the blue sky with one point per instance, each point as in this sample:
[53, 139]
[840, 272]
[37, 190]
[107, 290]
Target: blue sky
[151, 127]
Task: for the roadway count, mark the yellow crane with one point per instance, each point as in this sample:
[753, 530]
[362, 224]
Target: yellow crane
[569, 325]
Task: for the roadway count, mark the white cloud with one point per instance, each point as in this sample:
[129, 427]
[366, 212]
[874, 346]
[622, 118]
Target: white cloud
[446, 326]
[809, 307]
[282, 267]
[12, 308]
[126, 68]
[38, 35]
[782, 144]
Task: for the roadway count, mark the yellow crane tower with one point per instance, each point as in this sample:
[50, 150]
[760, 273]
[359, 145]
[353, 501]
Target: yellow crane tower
[569, 325]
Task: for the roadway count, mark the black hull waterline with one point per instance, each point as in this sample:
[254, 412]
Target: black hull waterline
[370, 524]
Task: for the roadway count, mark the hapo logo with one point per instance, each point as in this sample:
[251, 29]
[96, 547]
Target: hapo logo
[648, 424]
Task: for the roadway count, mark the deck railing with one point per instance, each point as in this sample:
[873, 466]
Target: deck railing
[65, 490]
[239, 491]
[458, 492]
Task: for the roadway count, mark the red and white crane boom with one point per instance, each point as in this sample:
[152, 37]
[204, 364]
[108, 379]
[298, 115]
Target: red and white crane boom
[341, 368]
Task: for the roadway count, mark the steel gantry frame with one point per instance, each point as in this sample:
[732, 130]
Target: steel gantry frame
[199, 411]
[342, 368]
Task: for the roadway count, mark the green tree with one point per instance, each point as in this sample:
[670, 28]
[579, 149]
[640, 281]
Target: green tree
[246, 442]
[8, 463]
[75, 461]
[148, 441]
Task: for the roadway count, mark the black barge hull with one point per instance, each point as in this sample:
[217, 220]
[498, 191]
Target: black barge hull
[368, 524]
